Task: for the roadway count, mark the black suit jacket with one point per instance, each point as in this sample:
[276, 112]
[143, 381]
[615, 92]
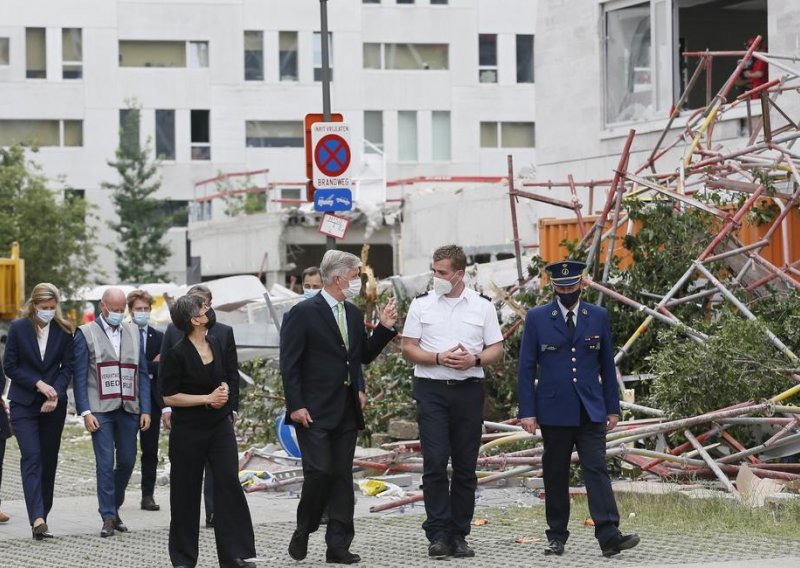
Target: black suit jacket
[230, 359]
[152, 349]
[315, 363]
[182, 372]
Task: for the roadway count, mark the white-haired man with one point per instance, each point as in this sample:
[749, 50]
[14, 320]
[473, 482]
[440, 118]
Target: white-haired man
[323, 345]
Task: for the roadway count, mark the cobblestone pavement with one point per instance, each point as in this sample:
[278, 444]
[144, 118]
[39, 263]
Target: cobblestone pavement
[392, 539]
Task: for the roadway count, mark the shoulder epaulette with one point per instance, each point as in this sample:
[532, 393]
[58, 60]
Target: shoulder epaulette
[485, 297]
[422, 295]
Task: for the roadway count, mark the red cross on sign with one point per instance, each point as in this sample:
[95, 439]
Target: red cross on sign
[331, 155]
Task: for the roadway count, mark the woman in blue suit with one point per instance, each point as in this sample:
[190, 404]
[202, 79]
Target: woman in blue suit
[38, 360]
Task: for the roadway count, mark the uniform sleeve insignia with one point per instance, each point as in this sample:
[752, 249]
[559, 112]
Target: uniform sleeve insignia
[485, 297]
[585, 312]
[422, 295]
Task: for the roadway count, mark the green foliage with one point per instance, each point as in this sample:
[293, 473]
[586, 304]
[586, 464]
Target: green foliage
[140, 251]
[238, 197]
[52, 232]
[388, 380]
[736, 364]
[259, 404]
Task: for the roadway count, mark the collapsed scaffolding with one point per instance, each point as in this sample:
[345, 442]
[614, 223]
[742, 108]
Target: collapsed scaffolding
[704, 164]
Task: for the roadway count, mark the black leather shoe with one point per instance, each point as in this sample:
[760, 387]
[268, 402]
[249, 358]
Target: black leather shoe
[619, 543]
[554, 547]
[119, 525]
[41, 532]
[461, 549]
[341, 556]
[238, 563]
[108, 528]
[298, 546]
[439, 549]
[149, 504]
[210, 521]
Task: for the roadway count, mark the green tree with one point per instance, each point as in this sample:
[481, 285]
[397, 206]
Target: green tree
[143, 222]
[51, 231]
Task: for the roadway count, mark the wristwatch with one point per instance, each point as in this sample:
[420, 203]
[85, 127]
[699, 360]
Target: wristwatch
[477, 360]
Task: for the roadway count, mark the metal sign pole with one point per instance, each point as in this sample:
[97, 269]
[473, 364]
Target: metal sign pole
[330, 242]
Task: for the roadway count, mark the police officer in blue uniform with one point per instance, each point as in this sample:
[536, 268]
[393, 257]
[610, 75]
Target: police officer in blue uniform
[567, 386]
[450, 334]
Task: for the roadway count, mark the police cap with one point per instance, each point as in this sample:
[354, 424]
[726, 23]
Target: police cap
[565, 272]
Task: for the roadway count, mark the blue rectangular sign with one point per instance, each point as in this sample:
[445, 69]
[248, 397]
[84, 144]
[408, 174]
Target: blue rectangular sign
[329, 200]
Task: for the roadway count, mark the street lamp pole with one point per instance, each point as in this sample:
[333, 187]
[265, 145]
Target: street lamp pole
[330, 243]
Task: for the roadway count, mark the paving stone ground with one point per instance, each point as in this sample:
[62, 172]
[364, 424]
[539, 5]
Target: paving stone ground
[392, 539]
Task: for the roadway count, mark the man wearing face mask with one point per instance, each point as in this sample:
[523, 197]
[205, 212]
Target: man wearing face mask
[312, 282]
[140, 305]
[450, 335]
[113, 399]
[230, 362]
[567, 386]
[323, 345]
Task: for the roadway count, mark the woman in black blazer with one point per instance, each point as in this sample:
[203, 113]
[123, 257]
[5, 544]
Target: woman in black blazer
[38, 361]
[194, 384]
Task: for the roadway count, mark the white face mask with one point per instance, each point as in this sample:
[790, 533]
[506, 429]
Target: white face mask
[45, 316]
[442, 287]
[353, 288]
[310, 292]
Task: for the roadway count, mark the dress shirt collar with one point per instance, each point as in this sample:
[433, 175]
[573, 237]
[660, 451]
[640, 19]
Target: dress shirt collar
[565, 310]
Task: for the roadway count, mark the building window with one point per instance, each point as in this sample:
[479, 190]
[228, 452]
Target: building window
[71, 53]
[287, 56]
[405, 1]
[373, 131]
[165, 134]
[5, 58]
[407, 56]
[318, 55]
[35, 53]
[371, 1]
[72, 194]
[274, 134]
[197, 54]
[201, 134]
[135, 53]
[508, 135]
[64, 133]
[129, 130]
[253, 56]
[524, 59]
[438, 2]
[441, 135]
[487, 58]
[407, 136]
[628, 71]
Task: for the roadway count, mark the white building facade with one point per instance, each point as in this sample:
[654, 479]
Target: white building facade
[437, 88]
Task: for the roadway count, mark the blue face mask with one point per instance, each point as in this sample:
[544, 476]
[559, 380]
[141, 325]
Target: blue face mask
[141, 318]
[310, 292]
[114, 318]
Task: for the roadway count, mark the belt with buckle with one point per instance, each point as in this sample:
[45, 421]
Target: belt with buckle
[451, 382]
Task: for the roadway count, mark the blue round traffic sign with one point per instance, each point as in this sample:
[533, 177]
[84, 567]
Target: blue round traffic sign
[332, 155]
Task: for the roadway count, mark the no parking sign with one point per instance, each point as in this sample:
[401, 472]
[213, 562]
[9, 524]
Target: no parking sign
[331, 155]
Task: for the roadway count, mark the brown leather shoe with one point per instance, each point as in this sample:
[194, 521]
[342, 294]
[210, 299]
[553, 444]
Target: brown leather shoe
[3, 517]
[108, 528]
[119, 525]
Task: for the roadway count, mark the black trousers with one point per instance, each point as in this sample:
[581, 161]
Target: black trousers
[450, 422]
[328, 479]
[190, 447]
[148, 442]
[2, 454]
[590, 440]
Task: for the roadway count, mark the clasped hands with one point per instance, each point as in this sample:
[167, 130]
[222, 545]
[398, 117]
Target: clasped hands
[50, 394]
[457, 358]
[218, 397]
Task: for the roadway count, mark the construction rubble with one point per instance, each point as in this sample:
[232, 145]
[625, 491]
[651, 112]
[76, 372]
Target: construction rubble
[710, 452]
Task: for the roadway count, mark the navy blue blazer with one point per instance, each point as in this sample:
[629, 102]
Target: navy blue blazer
[557, 373]
[23, 363]
[315, 363]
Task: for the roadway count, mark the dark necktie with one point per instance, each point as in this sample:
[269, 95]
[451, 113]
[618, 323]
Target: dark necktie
[570, 321]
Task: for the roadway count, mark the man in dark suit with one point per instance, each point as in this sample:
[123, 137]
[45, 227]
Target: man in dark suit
[567, 385]
[140, 304]
[224, 334]
[323, 345]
